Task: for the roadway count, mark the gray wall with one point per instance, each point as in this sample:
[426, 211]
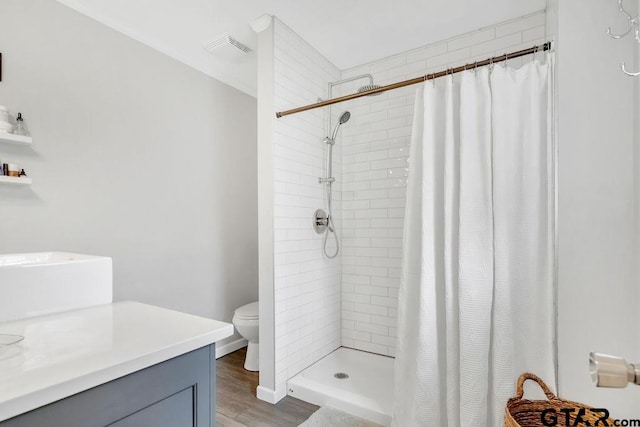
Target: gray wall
[135, 156]
[598, 223]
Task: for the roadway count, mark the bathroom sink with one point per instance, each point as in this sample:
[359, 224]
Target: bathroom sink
[36, 284]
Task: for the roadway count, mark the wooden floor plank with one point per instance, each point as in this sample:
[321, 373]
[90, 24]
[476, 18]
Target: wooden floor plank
[237, 405]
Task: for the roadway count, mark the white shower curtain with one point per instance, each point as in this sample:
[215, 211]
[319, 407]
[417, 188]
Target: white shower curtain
[476, 305]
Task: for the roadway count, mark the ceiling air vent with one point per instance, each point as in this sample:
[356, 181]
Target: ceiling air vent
[227, 47]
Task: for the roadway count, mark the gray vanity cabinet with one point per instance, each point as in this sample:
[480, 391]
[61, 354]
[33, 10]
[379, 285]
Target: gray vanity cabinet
[177, 393]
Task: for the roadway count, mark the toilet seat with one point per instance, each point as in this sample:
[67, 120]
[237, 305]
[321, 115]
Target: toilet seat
[247, 312]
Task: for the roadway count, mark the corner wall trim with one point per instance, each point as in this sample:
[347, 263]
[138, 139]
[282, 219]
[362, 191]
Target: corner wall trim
[270, 396]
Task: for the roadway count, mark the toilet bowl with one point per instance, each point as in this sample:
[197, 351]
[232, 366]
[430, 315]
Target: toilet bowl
[246, 321]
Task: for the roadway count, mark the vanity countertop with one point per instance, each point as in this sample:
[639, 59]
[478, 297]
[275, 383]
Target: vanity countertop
[66, 353]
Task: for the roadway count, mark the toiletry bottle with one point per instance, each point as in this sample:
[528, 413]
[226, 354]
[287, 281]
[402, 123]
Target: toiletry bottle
[20, 127]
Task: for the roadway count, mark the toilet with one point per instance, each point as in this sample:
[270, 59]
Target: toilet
[246, 321]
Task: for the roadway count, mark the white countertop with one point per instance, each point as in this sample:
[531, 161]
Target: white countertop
[66, 353]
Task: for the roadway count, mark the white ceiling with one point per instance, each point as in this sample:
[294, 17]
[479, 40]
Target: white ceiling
[347, 32]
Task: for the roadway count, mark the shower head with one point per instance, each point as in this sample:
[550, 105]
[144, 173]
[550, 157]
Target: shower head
[361, 89]
[369, 87]
[344, 118]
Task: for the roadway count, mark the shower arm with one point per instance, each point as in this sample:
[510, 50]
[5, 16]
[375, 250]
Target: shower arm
[350, 79]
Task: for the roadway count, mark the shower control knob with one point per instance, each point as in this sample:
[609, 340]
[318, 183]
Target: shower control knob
[320, 221]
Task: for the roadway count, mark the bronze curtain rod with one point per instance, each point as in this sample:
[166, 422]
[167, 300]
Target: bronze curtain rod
[506, 56]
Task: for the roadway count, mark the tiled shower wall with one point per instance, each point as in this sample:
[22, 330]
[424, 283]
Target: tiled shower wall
[375, 148]
[306, 285]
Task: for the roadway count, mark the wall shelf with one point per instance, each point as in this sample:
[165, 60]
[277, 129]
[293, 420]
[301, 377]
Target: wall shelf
[14, 139]
[15, 180]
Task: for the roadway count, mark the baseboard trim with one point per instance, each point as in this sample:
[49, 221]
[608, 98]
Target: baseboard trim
[270, 396]
[223, 350]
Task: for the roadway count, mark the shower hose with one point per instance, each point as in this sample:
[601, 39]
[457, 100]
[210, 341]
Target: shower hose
[331, 227]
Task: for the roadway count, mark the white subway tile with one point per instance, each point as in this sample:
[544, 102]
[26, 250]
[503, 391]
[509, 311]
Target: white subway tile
[388, 222]
[387, 63]
[370, 194]
[383, 339]
[356, 279]
[371, 213]
[356, 167]
[395, 252]
[371, 309]
[450, 58]
[519, 25]
[356, 316]
[384, 321]
[357, 335]
[384, 281]
[396, 212]
[405, 111]
[372, 232]
[355, 186]
[400, 131]
[389, 163]
[372, 328]
[356, 260]
[356, 298]
[355, 204]
[370, 290]
[414, 69]
[426, 52]
[388, 203]
[370, 271]
[532, 34]
[471, 39]
[369, 175]
[390, 123]
[384, 301]
[498, 46]
[375, 252]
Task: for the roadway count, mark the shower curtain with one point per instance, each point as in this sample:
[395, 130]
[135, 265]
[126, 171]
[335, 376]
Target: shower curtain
[476, 302]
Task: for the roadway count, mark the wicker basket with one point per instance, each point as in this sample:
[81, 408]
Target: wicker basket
[531, 413]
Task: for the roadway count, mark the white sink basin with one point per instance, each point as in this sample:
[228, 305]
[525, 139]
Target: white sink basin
[49, 282]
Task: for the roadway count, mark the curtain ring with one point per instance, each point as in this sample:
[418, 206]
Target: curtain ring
[533, 57]
[506, 58]
[475, 68]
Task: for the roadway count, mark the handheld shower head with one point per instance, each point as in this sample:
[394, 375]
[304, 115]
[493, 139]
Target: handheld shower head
[344, 118]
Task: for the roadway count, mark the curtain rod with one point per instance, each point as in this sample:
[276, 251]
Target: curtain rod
[506, 56]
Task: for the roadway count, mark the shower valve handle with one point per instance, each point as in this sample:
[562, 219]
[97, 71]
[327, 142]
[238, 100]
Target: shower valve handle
[320, 221]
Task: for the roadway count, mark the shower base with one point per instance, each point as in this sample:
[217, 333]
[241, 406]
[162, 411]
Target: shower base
[366, 393]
